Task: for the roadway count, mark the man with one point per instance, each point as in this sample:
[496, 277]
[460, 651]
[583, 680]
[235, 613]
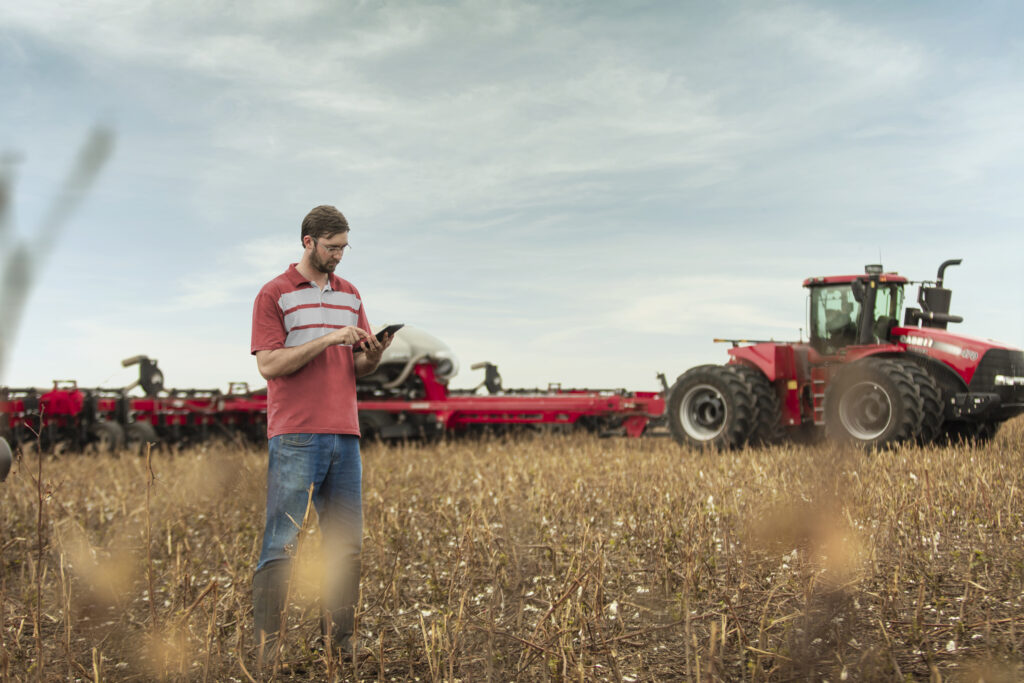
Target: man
[306, 325]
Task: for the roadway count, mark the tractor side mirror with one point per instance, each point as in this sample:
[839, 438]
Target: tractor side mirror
[859, 289]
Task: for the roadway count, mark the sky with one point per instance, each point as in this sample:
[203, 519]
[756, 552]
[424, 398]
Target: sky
[580, 192]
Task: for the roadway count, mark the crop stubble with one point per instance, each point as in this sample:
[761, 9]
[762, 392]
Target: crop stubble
[560, 557]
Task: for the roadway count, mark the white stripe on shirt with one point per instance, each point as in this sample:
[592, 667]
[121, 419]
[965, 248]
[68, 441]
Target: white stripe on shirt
[333, 317]
[312, 296]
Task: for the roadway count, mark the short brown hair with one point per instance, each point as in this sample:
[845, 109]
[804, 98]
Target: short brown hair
[323, 221]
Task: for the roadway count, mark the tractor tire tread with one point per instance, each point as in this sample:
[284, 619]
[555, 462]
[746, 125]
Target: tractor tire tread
[742, 416]
[768, 428]
[931, 400]
[909, 409]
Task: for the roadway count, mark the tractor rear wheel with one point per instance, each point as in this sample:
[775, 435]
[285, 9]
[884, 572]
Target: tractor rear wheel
[768, 411]
[873, 403]
[711, 406]
[931, 399]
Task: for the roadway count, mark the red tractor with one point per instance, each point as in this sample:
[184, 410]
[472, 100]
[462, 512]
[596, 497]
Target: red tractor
[862, 376]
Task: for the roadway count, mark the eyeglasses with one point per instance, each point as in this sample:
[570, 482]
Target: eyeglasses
[334, 250]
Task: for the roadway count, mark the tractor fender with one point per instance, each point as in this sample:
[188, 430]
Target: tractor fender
[786, 367]
[852, 354]
[948, 379]
[774, 360]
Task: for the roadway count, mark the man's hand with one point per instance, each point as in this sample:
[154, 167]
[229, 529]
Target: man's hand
[347, 335]
[369, 359]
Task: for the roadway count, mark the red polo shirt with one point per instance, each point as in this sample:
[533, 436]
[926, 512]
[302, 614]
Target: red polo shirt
[319, 397]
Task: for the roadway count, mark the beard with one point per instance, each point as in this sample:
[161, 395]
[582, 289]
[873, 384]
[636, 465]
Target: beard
[321, 265]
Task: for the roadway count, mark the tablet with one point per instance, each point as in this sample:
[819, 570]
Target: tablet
[389, 330]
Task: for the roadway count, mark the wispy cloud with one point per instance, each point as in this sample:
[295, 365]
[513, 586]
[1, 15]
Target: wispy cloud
[855, 56]
[234, 277]
[537, 184]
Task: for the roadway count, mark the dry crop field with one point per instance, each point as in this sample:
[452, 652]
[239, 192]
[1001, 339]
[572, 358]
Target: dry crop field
[557, 557]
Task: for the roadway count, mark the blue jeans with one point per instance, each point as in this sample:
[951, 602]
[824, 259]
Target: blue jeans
[332, 465]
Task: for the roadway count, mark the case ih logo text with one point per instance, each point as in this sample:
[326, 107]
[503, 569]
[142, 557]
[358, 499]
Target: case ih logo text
[911, 340]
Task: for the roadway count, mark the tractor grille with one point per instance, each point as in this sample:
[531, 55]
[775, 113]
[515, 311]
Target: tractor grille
[1001, 371]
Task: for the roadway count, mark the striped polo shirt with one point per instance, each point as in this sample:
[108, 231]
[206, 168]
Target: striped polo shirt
[320, 397]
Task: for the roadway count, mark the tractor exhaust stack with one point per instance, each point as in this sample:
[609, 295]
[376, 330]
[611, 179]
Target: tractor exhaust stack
[935, 300]
[942, 269]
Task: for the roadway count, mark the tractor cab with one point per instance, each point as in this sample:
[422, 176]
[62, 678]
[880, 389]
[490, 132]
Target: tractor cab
[850, 310]
[859, 310]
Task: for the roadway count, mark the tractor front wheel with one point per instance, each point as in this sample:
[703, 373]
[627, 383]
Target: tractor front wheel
[873, 403]
[711, 406]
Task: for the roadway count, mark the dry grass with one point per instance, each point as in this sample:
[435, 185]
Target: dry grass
[555, 557]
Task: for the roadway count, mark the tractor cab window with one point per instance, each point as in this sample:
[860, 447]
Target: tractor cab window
[834, 318]
[888, 303]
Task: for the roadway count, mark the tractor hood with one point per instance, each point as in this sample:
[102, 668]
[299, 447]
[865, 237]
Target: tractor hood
[961, 352]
